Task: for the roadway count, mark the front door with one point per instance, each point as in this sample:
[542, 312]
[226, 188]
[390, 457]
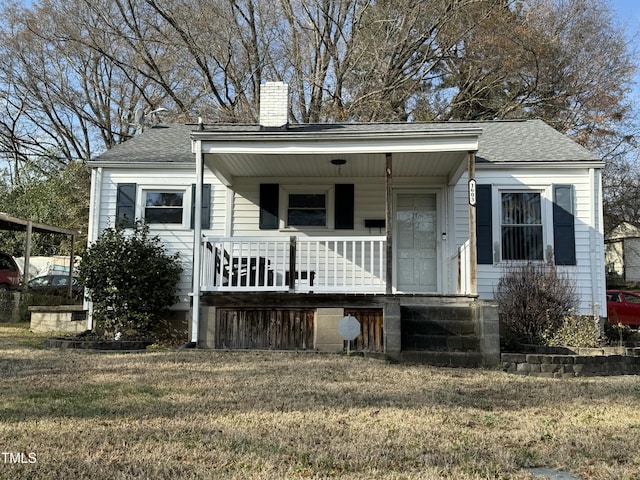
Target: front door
[416, 245]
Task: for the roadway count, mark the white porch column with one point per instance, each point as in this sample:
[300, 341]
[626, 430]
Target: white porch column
[473, 252]
[197, 234]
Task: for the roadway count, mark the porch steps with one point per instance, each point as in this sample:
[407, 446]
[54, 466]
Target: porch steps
[443, 335]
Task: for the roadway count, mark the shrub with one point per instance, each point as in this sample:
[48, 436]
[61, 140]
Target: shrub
[130, 279]
[574, 331]
[618, 334]
[533, 298]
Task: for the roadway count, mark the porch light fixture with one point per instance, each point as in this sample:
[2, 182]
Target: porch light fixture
[338, 162]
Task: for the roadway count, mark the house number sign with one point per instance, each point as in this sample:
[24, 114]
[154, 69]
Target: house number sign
[472, 192]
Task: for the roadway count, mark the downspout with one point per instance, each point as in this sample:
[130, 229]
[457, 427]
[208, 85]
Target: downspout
[597, 261]
[197, 234]
[95, 206]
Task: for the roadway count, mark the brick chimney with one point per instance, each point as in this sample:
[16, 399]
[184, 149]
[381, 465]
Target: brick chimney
[274, 104]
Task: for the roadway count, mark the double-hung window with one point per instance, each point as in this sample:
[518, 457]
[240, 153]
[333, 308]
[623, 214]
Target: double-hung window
[164, 206]
[521, 226]
[307, 210]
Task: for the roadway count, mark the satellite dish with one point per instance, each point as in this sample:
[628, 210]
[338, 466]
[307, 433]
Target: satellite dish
[139, 117]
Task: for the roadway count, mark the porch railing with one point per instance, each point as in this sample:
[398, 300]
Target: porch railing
[295, 264]
[463, 261]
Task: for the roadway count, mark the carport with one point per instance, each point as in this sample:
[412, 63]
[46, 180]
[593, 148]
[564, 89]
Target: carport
[10, 223]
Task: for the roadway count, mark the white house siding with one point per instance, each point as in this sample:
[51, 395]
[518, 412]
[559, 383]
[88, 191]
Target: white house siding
[632, 259]
[369, 203]
[614, 254]
[623, 258]
[622, 252]
[589, 271]
[175, 239]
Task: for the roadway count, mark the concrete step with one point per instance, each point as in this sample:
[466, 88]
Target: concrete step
[444, 359]
[452, 343]
[438, 326]
[448, 328]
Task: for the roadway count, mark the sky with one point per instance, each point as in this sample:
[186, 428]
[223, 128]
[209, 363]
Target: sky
[628, 14]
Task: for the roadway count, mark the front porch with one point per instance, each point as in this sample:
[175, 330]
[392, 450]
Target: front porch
[323, 219]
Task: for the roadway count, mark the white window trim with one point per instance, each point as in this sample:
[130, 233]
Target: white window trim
[546, 212]
[326, 190]
[186, 205]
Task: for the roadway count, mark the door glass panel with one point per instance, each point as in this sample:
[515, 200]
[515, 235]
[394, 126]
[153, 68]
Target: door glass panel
[416, 218]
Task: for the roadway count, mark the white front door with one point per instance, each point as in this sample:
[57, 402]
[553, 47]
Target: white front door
[416, 243]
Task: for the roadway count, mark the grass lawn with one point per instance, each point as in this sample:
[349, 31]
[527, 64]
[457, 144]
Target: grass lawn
[249, 415]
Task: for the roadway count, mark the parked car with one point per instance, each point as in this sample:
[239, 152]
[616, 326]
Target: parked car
[9, 272]
[623, 307]
[54, 283]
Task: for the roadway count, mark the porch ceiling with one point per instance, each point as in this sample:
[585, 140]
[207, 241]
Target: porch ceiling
[227, 166]
[438, 150]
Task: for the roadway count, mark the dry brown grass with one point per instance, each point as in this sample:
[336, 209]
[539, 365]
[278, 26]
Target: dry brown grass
[258, 415]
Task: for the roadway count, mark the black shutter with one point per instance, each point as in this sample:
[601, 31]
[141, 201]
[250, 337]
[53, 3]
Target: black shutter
[564, 235]
[126, 205]
[484, 225]
[344, 206]
[269, 206]
[206, 206]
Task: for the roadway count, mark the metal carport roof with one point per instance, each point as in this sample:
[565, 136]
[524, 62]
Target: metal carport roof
[7, 222]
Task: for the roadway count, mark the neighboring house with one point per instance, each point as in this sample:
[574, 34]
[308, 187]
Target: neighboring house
[622, 252]
[408, 226]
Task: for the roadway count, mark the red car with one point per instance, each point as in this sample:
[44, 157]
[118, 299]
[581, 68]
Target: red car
[623, 307]
[9, 273]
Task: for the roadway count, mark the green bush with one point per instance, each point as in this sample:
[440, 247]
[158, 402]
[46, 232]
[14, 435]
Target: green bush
[130, 278]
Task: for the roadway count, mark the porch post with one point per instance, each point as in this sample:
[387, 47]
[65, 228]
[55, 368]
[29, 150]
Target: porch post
[389, 222]
[197, 233]
[27, 254]
[473, 252]
[71, 258]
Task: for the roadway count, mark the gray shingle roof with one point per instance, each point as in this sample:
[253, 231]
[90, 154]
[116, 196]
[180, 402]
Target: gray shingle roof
[166, 144]
[500, 141]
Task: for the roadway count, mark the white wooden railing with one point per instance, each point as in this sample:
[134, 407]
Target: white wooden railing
[295, 264]
[463, 262]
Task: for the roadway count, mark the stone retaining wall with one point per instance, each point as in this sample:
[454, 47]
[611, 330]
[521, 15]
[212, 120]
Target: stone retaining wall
[582, 363]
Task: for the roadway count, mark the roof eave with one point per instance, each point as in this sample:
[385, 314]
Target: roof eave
[291, 136]
[548, 164]
[120, 164]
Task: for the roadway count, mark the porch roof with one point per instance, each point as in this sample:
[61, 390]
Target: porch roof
[438, 150]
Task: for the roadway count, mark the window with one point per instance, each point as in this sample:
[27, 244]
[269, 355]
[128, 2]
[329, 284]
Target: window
[630, 298]
[7, 263]
[163, 207]
[521, 226]
[307, 210]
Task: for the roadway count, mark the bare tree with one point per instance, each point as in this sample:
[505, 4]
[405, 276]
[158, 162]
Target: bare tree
[72, 72]
[563, 61]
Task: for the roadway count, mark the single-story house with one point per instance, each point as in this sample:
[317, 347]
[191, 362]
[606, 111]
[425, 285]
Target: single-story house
[622, 253]
[286, 229]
